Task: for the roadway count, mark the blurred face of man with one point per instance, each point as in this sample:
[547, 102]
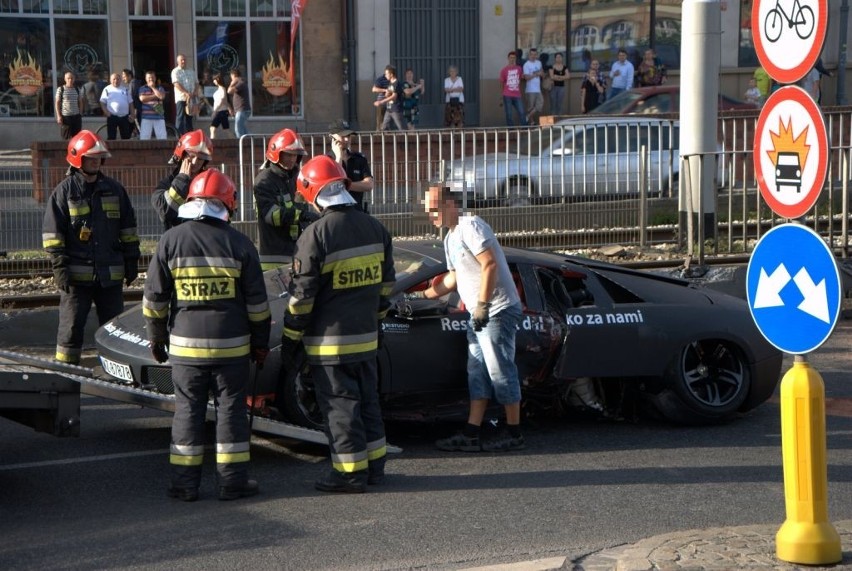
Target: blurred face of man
[181, 61]
[441, 212]
[512, 59]
[151, 80]
[622, 56]
[126, 78]
[533, 55]
[115, 80]
[69, 79]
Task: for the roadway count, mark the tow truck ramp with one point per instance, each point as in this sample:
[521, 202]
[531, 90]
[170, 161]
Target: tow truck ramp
[45, 395]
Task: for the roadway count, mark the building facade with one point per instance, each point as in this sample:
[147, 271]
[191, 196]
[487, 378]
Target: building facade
[310, 62]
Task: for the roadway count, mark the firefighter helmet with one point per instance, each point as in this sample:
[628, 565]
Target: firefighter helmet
[195, 143]
[284, 141]
[212, 183]
[317, 173]
[85, 144]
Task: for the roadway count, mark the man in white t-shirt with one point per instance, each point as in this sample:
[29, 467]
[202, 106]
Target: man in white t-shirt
[478, 270]
[117, 105]
[533, 72]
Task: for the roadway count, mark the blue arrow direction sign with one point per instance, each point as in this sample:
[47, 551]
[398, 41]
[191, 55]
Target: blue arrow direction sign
[793, 288]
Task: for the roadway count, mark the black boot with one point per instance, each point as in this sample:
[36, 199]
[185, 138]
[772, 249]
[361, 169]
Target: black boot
[250, 488]
[376, 472]
[341, 482]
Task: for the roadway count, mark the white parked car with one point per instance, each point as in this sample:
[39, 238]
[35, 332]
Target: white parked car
[586, 159]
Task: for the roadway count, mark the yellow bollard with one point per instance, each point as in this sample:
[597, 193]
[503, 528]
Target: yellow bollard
[807, 537]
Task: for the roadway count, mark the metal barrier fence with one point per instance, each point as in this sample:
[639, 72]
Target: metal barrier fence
[575, 185]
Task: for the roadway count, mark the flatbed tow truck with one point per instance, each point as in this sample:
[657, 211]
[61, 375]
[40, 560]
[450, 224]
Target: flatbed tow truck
[45, 395]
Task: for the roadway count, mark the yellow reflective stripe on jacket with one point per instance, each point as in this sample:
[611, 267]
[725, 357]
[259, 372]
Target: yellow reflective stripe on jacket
[200, 348]
[155, 309]
[128, 235]
[174, 197]
[78, 211]
[324, 346]
[51, 240]
[205, 272]
[300, 306]
[259, 311]
[292, 334]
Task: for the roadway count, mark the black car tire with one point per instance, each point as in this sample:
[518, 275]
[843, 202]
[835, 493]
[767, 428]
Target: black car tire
[711, 378]
[298, 402]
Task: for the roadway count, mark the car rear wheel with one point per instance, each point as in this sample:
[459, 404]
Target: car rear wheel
[711, 379]
[518, 192]
[299, 400]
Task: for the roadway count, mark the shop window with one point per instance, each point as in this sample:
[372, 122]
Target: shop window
[25, 72]
[258, 45]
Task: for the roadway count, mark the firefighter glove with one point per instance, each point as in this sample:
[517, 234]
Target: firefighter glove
[158, 350]
[416, 295]
[258, 355]
[131, 270]
[480, 316]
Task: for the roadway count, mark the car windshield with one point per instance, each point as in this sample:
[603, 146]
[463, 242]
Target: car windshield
[617, 104]
[407, 262]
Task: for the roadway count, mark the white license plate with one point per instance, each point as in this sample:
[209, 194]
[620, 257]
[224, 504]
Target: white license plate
[118, 370]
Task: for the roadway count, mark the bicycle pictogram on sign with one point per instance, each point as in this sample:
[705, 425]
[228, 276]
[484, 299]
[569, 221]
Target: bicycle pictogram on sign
[801, 18]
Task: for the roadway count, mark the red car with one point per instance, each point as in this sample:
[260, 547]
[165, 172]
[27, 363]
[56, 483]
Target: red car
[657, 99]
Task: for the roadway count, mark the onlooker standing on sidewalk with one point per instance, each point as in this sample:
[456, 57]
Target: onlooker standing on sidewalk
[454, 98]
[117, 106]
[379, 87]
[533, 72]
[69, 104]
[89, 230]
[186, 88]
[238, 90]
[355, 164]
[621, 74]
[221, 107]
[153, 114]
[477, 268]
[133, 86]
[559, 74]
[510, 79]
[593, 88]
[343, 275]
[752, 94]
[411, 104]
[206, 311]
[651, 70]
[392, 100]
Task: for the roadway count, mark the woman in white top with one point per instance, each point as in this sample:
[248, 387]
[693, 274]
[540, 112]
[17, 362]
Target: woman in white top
[454, 98]
[221, 107]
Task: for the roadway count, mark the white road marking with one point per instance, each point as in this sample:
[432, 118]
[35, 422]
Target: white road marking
[164, 451]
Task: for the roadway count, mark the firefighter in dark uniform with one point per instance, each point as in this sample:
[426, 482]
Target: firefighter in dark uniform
[343, 274]
[90, 232]
[278, 214]
[355, 164]
[206, 312]
[191, 155]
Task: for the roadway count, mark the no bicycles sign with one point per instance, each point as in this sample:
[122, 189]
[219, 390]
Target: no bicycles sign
[788, 36]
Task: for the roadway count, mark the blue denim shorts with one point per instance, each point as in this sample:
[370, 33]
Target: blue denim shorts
[491, 369]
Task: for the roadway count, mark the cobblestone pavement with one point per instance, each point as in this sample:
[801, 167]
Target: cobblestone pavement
[714, 549]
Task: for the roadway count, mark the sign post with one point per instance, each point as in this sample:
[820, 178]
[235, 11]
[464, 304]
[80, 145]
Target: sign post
[793, 284]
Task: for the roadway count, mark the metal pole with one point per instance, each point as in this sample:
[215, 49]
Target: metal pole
[841, 53]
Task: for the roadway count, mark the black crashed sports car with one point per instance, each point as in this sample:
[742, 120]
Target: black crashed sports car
[596, 338]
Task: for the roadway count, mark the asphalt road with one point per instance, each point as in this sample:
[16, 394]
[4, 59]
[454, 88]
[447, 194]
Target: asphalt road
[98, 501]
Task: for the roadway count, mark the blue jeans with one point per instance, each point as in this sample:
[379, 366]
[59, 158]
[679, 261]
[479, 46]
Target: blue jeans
[240, 123]
[491, 369]
[508, 103]
[183, 120]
